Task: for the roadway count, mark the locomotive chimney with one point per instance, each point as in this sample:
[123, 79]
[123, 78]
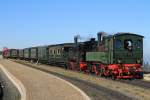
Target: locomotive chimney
[76, 40]
[100, 37]
[92, 39]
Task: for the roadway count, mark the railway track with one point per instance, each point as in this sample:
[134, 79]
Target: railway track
[137, 82]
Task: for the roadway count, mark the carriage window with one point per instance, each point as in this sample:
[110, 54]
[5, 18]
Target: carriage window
[51, 51]
[138, 44]
[118, 44]
[66, 49]
[62, 49]
[58, 51]
[128, 44]
[54, 52]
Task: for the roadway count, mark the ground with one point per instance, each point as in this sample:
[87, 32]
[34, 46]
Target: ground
[40, 85]
[95, 87]
[147, 77]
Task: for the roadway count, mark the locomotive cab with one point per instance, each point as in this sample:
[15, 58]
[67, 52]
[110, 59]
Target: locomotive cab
[128, 48]
[128, 54]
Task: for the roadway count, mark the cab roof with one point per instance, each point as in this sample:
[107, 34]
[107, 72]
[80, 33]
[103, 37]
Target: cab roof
[123, 33]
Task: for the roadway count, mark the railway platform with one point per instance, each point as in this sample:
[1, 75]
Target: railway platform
[42, 86]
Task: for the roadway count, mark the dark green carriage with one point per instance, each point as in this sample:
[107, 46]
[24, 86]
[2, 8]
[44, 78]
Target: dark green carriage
[27, 53]
[43, 54]
[21, 53]
[9, 53]
[58, 54]
[13, 53]
[34, 53]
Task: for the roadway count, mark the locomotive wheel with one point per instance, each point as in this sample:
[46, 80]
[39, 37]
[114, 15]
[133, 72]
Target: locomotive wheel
[102, 72]
[141, 75]
[69, 66]
[66, 66]
[113, 77]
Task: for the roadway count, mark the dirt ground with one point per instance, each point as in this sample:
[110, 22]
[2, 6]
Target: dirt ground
[147, 77]
[40, 85]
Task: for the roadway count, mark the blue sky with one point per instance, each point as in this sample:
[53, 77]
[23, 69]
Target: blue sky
[25, 23]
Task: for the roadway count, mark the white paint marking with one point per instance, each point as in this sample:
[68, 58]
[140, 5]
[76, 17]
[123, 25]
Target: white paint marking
[76, 88]
[16, 82]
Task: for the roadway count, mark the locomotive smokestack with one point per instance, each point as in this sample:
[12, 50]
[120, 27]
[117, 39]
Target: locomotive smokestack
[100, 37]
[92, 39]
[76, 40]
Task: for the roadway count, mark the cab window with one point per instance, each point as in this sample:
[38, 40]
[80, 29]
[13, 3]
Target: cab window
[118, 44]
[128, 44]
[138, 44]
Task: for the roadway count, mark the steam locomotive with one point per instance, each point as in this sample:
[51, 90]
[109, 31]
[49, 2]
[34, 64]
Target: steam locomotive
[119, 56]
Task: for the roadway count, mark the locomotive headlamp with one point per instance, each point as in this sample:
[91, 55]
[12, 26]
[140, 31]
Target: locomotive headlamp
[138, 61]
[119, 61]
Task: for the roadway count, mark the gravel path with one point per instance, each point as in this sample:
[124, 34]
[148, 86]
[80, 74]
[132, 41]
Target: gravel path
[40, 85]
